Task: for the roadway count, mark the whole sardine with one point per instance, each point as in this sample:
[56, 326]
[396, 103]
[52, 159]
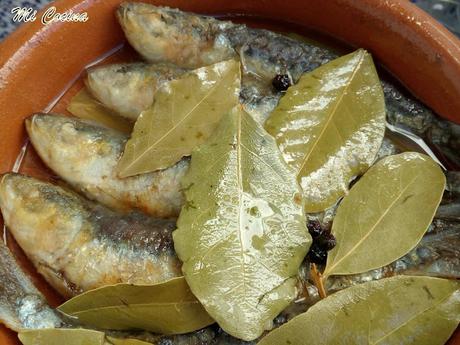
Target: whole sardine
[128, 89]
[78, 245]
[85, 155]
[161, 34]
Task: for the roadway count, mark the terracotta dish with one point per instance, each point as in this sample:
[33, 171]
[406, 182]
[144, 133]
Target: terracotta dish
[38, 62]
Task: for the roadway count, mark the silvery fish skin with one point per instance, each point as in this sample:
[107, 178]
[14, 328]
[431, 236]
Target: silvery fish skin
[161, 34]
[85, 155]
[22, 306]
[453, 181]
[78, 245]
[128, 88]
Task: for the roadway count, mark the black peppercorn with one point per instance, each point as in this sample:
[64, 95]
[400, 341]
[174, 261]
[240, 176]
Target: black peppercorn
[314, 228]
[281, 82]
[317, 255]
[326, 241]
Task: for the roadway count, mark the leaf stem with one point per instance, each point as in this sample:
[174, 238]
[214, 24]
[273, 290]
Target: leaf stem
[318, 280]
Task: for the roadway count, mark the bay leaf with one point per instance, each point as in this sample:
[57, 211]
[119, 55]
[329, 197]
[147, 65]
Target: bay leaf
[330, 125]
[241, 234]
[386, 213]
[71, 336]
[167, 308]
[126, 341]
[60, 336]
[85, 106]
[184, 113]
[398, 310]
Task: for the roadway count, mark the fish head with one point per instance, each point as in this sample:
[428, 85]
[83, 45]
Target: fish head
[125, 88]
[128, 88]
[115, 77]
[162, 34]
[59, 138]
[119, 77]
[40, 216]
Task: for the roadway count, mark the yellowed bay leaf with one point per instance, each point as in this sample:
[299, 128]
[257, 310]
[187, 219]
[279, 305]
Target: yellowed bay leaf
[126, 341]
[184, 113]
[72, 336]
[241, 234]
[398, 310]
[166, 308]
[330, 125]
[84, 106]
[61, 336]
[386, 213]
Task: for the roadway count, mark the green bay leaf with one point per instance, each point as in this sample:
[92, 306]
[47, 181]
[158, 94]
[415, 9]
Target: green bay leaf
[125, 341]
[85, 106]
[241, 233]
[184, 113]
[167, 308]
[386, 213]
[330, 125]
[398, 310]
[60, 336]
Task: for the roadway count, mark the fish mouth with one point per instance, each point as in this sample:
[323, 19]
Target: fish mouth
[12, 180]
[126, 10]
[42, 131]
[39, 122]
[30, 121]
[3, 177]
